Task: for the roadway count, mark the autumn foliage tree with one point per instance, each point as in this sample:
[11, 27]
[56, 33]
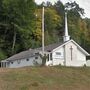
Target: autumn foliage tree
[21, 23]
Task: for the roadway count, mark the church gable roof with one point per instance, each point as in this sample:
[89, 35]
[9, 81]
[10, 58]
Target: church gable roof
[79, 47]
[50, 47]
[22, 55]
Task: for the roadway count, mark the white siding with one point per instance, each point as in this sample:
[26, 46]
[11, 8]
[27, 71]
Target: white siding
[58, 59]
[24, 62]
[78, 58]
[69, 57]
[81, 58]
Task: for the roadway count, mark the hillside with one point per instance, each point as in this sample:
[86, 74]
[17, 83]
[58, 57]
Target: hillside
[45, 78]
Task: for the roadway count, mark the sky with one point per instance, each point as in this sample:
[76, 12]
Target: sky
[85, 4]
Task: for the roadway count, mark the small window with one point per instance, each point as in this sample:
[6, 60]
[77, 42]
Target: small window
[27, 59]
[36, 53]
[36, 57]
[58, 53]
[11, 62]
[50, 56]
[18, 61]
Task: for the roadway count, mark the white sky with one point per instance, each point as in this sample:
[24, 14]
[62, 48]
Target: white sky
[85, 4]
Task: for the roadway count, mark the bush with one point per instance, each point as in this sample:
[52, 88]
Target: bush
[2, 55]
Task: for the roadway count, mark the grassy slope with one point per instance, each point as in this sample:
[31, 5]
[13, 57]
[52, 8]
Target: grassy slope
[45, 78]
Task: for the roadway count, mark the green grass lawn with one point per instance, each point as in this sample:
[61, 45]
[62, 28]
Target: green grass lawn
[45, 78]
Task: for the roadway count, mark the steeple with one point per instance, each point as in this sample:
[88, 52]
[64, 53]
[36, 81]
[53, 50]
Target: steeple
[66, 37]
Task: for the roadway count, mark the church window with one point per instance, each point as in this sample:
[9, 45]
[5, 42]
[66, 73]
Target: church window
[36, 53]
[36, 57]
[18, 61]
[27, 59]
[50, 56]
[11, 62]
[58, 53]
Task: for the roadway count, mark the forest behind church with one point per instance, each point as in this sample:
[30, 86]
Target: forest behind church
[20, 25]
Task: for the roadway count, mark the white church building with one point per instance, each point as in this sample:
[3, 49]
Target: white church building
[66, 53]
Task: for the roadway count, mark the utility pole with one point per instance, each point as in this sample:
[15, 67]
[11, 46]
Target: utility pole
[43, 31]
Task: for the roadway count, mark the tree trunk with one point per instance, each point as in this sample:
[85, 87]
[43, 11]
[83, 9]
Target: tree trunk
[14, 41]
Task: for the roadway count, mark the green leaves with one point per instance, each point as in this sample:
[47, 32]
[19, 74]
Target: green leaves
[74, 7]
[21, 24]
[16, 16]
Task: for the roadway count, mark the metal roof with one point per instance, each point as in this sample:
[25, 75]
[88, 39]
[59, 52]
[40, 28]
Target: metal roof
[31, 52]
[22, 55]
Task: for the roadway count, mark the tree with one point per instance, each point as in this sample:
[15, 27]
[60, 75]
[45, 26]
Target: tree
[74, 7]
[17, 24]
[59, 8]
